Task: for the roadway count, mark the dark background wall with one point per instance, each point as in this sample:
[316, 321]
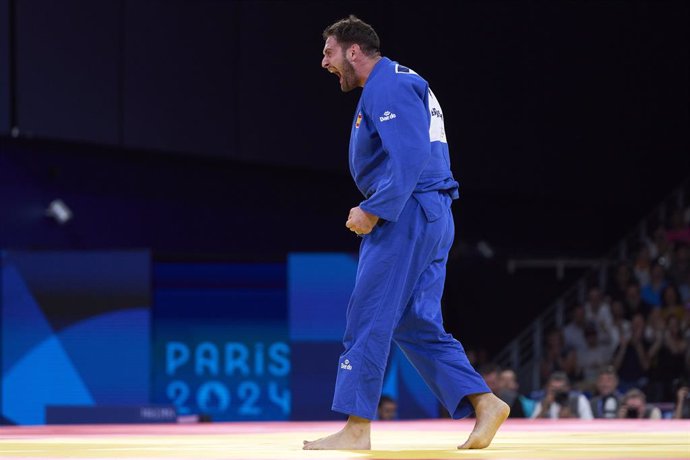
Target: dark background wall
[207, 128]
[4, 67]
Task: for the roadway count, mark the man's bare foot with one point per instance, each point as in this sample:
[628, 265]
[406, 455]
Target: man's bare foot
[491, 413]
[356, 435]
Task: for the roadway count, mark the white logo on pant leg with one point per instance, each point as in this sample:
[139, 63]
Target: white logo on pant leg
[346, 365]
[387, 116]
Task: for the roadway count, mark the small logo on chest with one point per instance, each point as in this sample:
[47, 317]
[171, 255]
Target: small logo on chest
[346, 365]
[359, 120]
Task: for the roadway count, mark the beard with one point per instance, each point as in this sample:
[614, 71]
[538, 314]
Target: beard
[349, 78]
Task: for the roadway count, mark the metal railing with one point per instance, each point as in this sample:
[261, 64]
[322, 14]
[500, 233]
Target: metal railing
[523, 354]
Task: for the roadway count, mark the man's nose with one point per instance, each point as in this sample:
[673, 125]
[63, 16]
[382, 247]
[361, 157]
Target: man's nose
[324, 62]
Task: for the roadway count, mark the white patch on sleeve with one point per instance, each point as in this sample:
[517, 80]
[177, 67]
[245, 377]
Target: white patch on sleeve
[437, 130]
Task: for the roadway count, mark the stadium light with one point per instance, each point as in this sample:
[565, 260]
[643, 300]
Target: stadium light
[59, 211]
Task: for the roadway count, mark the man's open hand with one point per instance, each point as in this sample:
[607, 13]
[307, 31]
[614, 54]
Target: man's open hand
[360, 221]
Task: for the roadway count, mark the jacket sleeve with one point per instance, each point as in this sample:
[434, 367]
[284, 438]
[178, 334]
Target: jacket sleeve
[401, 119]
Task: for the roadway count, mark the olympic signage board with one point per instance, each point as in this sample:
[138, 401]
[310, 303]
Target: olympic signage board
[319, 288]
[220, 341]
[74, 331]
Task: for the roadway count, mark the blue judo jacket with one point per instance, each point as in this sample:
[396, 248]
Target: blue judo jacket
[398, 146]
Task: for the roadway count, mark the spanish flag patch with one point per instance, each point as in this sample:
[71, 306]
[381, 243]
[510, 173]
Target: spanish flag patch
[359, 120]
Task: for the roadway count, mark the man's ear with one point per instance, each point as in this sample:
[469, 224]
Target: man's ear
[352, 52]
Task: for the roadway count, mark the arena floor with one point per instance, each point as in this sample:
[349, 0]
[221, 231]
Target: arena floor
[433, 439]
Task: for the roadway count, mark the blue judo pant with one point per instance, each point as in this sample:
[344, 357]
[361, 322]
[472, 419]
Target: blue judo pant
[397, 297]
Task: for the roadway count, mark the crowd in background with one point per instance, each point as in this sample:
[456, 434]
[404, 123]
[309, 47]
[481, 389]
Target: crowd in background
[624, 352]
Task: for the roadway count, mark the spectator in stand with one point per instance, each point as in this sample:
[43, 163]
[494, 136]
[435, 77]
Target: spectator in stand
[668, 357]
[642, 265]
[598, 312]
[387, 408]
[654, 333]
[477, 356]
[557, 356]
[560, 402]
[670, 303]
[680, 268]
[634, 303]
[682, 409]
[634, 405]
[489, 373]
[684, 291]
[655, 325]
[679, 230]
[520, 406]
[591, 359]
[660, 249]
[621, 326]
[607, 399]
[574, 331]
[631, 359]
[621, 279]
[651, 292]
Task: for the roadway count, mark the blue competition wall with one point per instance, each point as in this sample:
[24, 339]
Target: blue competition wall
[220, 340]
[74, 330]
[319, 287]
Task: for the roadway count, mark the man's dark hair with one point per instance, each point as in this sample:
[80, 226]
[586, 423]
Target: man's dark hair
[608, 370]
[559, 376]
[352, 30]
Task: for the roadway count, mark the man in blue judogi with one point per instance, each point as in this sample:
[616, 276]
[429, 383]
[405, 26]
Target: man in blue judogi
[399, 160]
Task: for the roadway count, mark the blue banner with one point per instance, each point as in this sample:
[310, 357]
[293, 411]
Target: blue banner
[319, 287]
[74, 330]
[221, 344]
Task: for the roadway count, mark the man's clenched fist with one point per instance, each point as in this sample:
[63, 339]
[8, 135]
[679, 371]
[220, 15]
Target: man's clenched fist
[360, 221]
